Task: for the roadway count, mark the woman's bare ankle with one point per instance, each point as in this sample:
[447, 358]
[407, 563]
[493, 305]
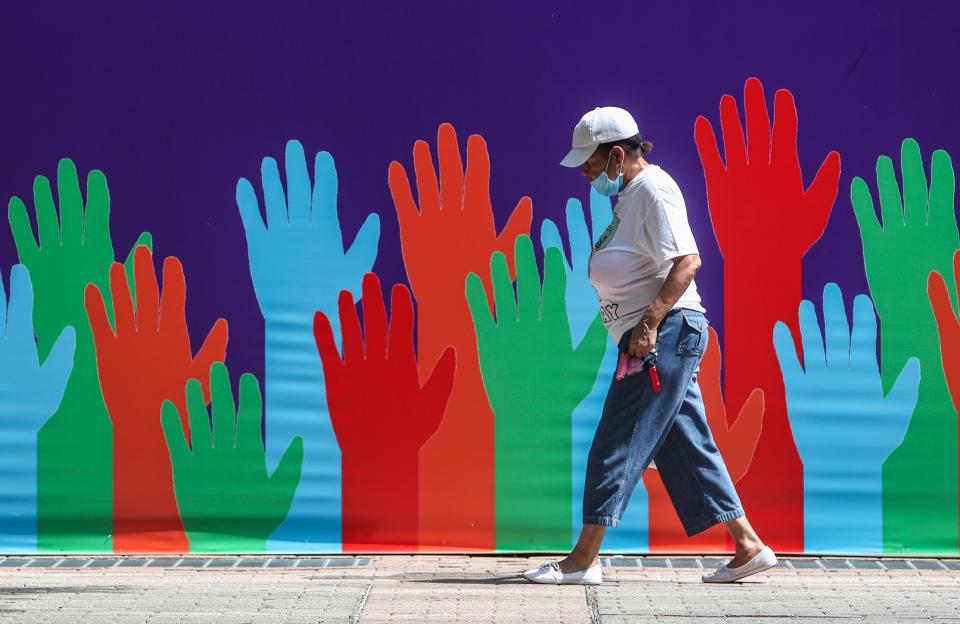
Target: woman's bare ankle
[575, 562]
[745, 551]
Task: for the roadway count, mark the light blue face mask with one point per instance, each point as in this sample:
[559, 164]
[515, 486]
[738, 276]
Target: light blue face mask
[604, 185]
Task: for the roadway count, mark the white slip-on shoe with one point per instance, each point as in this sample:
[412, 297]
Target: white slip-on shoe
[764, 560]
[550, 573]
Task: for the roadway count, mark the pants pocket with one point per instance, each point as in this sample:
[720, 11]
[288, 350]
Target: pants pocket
[693, 333]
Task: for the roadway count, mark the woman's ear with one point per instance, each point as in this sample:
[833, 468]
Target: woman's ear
[619, 156]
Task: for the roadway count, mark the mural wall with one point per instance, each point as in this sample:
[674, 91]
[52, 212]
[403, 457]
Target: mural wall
[391, 344]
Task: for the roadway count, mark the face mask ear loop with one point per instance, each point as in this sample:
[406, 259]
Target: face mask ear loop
[607, 166]
[620, 169]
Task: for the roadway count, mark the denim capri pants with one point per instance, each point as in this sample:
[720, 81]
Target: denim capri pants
[669, 427]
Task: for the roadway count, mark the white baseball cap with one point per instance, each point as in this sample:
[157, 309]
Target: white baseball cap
[601, 125]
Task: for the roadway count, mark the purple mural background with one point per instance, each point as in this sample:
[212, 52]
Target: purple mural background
[175, 101]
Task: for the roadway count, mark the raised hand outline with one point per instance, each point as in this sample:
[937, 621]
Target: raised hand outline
[843, 421]
[153, 337]
[302, 232]
[581, 296]
[915, 234]
[299, 264]
[535, 378]
[30, 392]
[229, 502]
[380, 434]
[72, 248]
[384, 351]
[448, 234]
[453, 218]
[761, 170]
[764, 221]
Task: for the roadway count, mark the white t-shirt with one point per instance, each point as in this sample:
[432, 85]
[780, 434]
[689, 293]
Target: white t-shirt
[631, 260]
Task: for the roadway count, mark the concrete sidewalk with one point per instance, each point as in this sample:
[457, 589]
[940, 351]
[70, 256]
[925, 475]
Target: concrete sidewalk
[428, 588]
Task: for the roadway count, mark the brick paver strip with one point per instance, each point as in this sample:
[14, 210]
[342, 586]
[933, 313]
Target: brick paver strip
[468, 590]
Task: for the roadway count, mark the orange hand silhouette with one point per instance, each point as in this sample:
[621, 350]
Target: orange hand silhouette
[446, 234]
[147, 361]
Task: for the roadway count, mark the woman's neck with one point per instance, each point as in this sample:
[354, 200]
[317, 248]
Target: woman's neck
[633, 169]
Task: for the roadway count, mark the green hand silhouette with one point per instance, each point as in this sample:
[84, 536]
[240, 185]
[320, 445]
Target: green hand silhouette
[75, 446]
[916, 235]
[534, 379]
[228, 502]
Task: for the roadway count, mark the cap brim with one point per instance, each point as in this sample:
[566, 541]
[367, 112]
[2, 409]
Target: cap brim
[577, 156]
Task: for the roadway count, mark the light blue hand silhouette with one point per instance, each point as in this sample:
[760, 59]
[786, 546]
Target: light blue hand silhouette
[582, 308]
[29, 395]
[299, 265]
[843, 425]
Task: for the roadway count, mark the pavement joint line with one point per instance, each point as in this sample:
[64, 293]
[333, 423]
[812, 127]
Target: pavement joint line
[699, 563]
[89, 561]
[27, 564]
[820, 563]
[941, 564]
[910, 564]
[296, 563]
[58, 563]
[325, 564]
[593, 604]
[206, 564]
[361, 603]
[882, 567]
[788, 565]
[668, 562]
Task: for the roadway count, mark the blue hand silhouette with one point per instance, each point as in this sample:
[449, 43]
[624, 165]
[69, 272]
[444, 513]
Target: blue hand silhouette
[299, 265]
[29, 394]
[582, 309]
[843, 425]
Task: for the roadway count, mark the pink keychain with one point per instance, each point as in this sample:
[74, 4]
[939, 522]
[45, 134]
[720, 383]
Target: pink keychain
[628, 365]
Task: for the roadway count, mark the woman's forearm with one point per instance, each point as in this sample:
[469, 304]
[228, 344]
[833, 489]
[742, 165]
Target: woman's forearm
[678, 280]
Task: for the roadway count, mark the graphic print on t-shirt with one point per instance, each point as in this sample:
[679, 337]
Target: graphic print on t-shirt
[604, 239]
[608, 233]
[609, 312]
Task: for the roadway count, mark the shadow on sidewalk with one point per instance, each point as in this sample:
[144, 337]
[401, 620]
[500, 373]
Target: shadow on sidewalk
[463, 580]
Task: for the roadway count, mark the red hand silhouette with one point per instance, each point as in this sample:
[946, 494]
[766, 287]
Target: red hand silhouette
[446, 235]
[145, 362]
[381, 415]
[737, 444]
[949, 328]
[764, 222]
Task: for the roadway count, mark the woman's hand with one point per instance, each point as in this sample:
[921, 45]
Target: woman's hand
[643, 338]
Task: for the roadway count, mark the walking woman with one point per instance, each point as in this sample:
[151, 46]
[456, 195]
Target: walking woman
[642, 268]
